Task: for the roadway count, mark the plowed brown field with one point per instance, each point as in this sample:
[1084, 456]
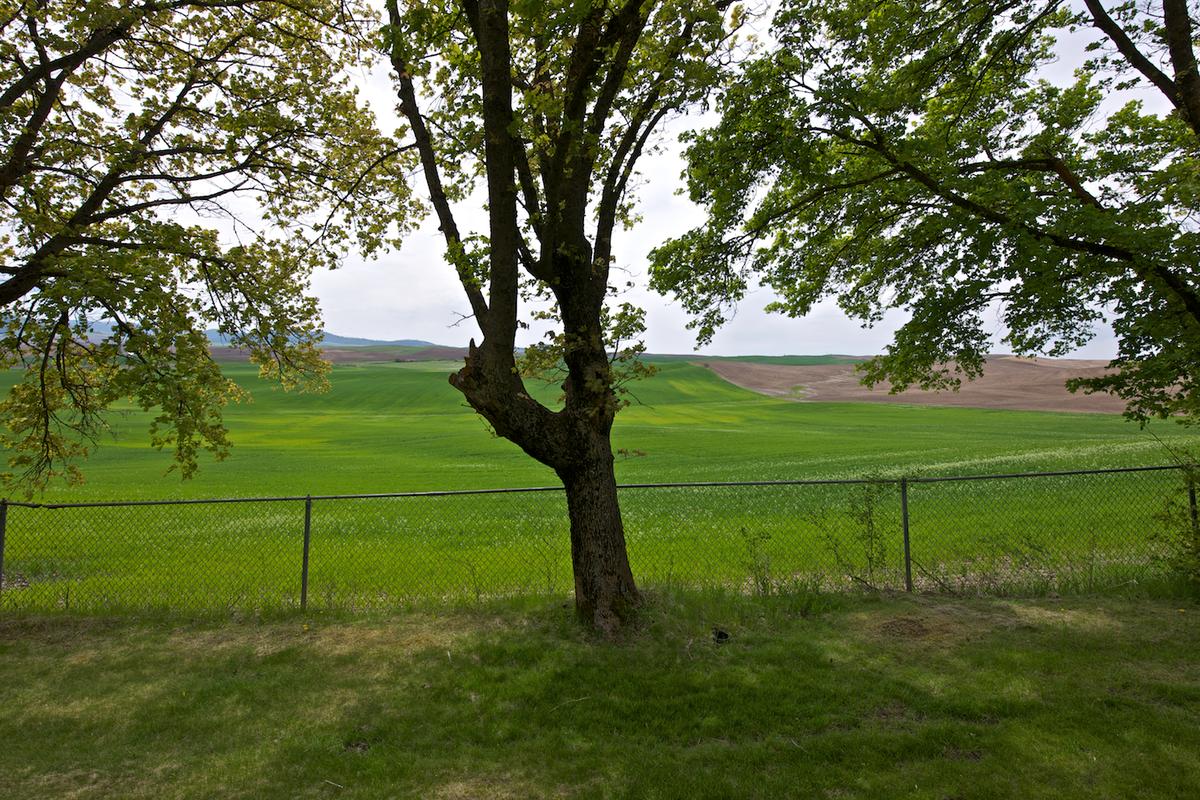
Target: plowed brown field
[1008, 382]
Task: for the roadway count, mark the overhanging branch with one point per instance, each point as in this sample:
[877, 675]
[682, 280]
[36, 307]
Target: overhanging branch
[433, 178]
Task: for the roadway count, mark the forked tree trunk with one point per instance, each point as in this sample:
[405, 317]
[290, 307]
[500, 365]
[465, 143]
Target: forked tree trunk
[575, 442]
[605, 592]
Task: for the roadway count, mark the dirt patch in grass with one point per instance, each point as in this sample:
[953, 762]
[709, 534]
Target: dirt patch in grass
[937, 621]
[54, 630]
[1008, 382]
[895, 713]
[953, 753]
[12, 581]
[1092, 619]
[398, 637]
[492, 788]
[904, 628]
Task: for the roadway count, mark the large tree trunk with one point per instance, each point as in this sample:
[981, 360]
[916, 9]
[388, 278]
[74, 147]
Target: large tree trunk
[605, 592]
[575, 442]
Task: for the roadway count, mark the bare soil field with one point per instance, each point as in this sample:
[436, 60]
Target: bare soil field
[1008, 382]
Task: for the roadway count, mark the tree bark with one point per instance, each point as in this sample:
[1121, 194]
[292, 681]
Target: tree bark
[576, 443]
[1180, 38]
[605, 593]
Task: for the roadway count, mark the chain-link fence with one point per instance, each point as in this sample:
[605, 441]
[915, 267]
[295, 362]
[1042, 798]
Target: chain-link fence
[1022, 533]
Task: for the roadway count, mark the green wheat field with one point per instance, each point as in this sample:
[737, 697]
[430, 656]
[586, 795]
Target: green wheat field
[400, 427]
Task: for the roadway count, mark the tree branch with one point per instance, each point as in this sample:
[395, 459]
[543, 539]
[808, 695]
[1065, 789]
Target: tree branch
[1133, 56]
[433, 179]
[499, 145]
[97, 42]
[1049, 164]
[1146, 270]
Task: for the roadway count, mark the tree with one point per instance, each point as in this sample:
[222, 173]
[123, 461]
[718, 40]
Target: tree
[551, 106]
[168, 166]
[916, 156]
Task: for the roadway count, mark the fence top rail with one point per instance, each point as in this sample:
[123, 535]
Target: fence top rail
[1055, 474]
[284, 498]
[535, 489]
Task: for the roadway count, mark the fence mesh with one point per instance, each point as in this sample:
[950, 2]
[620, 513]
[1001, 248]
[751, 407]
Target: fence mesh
[1073, 532]
[1079, 531]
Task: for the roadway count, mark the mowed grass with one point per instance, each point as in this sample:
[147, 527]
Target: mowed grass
[808, 697]
[401, 427]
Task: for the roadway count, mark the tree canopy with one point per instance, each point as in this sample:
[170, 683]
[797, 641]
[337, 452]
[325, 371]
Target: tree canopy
[924, 156]
[168, 166]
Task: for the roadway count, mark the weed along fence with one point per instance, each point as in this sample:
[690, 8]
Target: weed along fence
[1018, 533]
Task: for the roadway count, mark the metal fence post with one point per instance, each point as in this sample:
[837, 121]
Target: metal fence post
[304, 563]
[1191, 509]
[908, 585]
[3, 526]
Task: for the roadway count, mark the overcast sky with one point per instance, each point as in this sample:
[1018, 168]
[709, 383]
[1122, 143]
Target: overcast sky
[412, 293]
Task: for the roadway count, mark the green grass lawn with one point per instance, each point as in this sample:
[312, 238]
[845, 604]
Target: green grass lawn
[811, 696]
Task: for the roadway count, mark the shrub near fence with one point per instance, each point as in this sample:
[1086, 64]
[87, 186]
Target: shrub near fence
[1020, 533]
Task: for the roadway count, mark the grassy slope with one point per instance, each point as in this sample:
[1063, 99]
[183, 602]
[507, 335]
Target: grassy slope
[237, 357]
[899, 698]
[400, 427]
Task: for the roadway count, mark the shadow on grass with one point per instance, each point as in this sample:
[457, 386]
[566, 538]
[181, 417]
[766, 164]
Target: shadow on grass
[869, 698]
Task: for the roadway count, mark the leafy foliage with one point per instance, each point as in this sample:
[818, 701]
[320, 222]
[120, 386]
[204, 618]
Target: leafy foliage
[623, 327]
[169, 166]
[917, 156]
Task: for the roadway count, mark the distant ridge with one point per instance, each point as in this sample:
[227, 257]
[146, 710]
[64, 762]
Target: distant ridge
[354, 341]
[102, 328]
[333, 340]
[357, 349]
